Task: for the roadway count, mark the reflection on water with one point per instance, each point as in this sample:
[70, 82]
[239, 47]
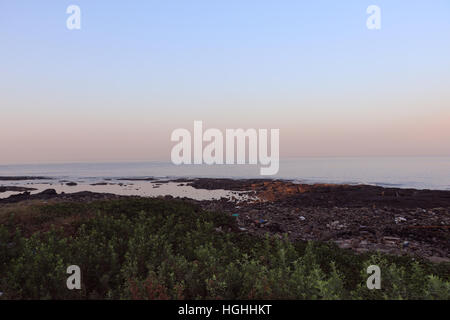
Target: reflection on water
[128, 188]
[401, 172]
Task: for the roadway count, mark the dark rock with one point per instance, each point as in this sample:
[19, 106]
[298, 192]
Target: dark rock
[14, 188]
[48, 192]
[137, 179]
[21, 178]
[99, 184]
[274, 227]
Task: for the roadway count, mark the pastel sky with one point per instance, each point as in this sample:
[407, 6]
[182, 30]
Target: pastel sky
[137, 70]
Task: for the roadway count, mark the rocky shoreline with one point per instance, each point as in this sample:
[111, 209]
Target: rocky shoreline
[358, 217]
[362, 218]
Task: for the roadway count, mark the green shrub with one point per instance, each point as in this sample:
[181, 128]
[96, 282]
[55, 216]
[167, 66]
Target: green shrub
[157, 249]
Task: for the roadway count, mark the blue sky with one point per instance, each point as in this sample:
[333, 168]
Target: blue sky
[136, 70]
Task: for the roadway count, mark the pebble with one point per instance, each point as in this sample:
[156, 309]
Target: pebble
[399, 219]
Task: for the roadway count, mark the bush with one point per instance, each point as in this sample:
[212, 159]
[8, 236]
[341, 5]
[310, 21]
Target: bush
[158, 249]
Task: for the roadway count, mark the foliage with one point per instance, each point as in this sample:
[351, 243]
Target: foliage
[160, 249]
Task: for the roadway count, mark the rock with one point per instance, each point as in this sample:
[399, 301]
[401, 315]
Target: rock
[274, 227]
[48, 192]
[399, 219]
[21, 178]
[136, 179]
[345, 244]
[391, 239]
[14, 188]
[326, 236]
[336, 225]
[71, 184]
[99, 184]
[435, 259]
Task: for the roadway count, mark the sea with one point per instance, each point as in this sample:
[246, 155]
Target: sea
[399, 172]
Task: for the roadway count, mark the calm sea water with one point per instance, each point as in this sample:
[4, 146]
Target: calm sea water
[402, 172]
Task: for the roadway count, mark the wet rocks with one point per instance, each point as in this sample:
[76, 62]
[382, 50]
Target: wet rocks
[360, 218]
[15, 189]
[48, 192]
[21, 178]
[99, 184]
[83, 196]
[331, 195]
[137, 179]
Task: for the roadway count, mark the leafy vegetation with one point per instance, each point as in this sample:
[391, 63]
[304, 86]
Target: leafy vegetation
[160, 249]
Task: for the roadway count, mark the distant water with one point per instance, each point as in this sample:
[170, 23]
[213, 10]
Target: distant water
[401, 172]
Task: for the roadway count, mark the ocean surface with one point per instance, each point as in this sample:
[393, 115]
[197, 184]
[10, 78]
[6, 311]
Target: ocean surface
[400, 172]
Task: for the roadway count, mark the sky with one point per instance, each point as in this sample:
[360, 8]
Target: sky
[137, 70]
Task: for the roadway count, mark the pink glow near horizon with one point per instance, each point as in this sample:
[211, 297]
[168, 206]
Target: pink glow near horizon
[115, 89]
